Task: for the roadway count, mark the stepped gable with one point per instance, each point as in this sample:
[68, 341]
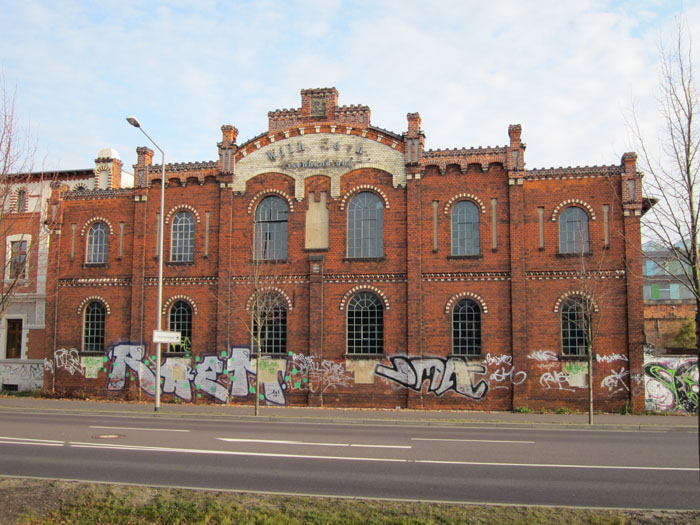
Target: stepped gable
[319, 105]
[484, 156]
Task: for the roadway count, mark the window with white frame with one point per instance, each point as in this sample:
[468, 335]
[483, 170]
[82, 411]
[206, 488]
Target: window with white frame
[365, 226]
[465, 229]
[466, 328]
[271, 229]
[94, 318]
[575, 326]
[270, 323]
[365, 324]
[97, 244]
[181, 321]
[17, 256]
[182, 246]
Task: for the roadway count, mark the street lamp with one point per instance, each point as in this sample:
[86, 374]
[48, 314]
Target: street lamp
[135, 122]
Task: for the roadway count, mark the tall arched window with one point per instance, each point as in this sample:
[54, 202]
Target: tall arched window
[271, 229]
[575, 326]
[182, 246]
[365, 226]
[97, 243]
[181, 321]
[270, 324]
[465, 229]
[365, 324]
[466, 328]
[94, 327]
[573, 231]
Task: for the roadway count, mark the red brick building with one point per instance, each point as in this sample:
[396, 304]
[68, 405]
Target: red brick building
[394, 276]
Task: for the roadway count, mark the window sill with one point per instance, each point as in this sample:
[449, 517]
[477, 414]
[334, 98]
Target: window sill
[364, 259]
[468, 356]
[95, 265]
[175, 354]
[577, 357]
[270, 261]
[460, 257]
[179, 263]
[92, 353]
[364, 356]
[570, 255]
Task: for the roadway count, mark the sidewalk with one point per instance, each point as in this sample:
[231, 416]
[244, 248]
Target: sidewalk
[353, 415]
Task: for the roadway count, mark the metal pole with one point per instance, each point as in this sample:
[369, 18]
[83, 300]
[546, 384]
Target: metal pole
[134, 122]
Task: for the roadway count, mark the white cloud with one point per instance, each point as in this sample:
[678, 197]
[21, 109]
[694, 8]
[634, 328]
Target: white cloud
[565, 70]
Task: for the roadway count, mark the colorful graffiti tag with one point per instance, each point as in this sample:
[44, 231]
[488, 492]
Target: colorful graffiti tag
[671, 385]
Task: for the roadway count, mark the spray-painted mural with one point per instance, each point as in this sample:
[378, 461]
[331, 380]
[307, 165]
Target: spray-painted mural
[671, 384]
[26, 376]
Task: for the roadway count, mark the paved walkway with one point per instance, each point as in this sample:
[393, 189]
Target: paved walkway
[353, 416]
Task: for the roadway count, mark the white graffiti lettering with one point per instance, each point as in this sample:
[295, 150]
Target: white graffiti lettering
[610, 358]
[443, 375]
[615, 382]
[543, 356]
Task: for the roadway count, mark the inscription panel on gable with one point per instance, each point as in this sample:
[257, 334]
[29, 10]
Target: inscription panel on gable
[328, 154]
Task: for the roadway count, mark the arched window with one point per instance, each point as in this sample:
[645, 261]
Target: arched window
[21, 201]
[97, 244]
[573, 231]
[182, 246]
[365, 226]
[466, 328]
[465, 229]
[270, 324]
[365, 324]
[271, 229]
[575, 326]
[94, 327]
[181, 321]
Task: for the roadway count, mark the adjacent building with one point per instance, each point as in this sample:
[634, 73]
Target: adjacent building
[360, 268]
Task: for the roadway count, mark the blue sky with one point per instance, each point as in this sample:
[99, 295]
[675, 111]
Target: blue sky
[568, 71]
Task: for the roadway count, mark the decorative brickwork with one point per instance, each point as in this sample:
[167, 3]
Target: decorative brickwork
[516, 276]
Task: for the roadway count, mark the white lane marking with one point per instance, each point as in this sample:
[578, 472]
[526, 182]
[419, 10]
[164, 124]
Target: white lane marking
[547, 465]
[137, 428]
[227, 452]
[472, 440]
[287, 442]
[31, 441]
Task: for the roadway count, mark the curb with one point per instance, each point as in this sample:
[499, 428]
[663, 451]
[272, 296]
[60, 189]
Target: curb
[334, 420]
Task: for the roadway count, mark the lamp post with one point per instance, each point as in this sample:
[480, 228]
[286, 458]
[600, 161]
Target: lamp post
[135, 122]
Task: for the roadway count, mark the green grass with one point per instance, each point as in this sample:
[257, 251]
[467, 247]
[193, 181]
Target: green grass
[82, 503]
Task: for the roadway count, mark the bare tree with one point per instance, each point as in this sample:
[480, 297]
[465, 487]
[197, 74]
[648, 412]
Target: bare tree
[21, 193]
[259, 295]
[672, 167]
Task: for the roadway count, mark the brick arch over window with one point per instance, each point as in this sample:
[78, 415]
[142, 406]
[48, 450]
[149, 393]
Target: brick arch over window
[574, 293]
[364, 187]
[271, 289]
[267, 193]
[92, 221]
[363, 288]
[88, 300]
[172, 300]
[573, 202]
[464, 197]
[182, 207]
[466, 295]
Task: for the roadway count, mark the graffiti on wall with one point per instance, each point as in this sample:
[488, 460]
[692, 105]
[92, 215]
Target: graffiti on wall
[323, 372]
[222, 376]
[671, 384]
[442, 375]
[28, 375]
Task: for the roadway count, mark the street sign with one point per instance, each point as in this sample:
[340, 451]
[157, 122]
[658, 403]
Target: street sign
[163, 336]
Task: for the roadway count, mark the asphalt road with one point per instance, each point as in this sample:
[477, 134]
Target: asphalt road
[498, 464]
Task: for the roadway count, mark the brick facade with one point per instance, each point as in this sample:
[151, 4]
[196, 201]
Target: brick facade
[323, 152]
